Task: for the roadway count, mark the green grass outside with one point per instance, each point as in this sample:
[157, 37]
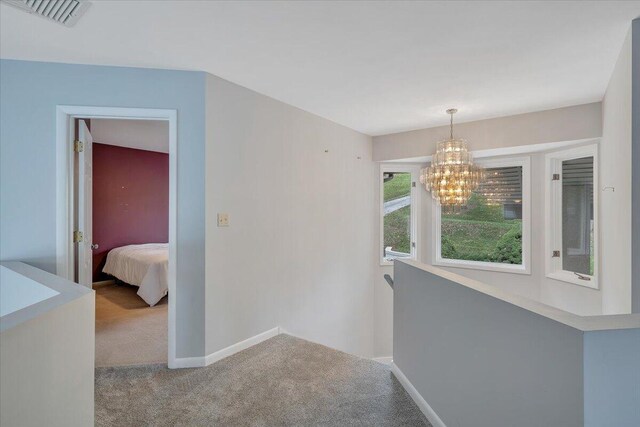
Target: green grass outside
[399, 186]
[475, 240]
[396, 230]
[474, 233]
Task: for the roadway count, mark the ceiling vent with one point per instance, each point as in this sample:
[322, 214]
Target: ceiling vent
[65, 12]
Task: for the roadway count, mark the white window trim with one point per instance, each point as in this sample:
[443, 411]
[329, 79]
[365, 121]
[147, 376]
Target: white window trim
[525, 267]
[553, 217]
[414, 170]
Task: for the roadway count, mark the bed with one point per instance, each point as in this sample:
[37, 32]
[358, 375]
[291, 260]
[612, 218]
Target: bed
[144, 266]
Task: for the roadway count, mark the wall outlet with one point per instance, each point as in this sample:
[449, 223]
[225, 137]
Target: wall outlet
[223, 220]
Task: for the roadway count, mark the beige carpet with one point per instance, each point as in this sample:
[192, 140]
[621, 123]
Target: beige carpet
[284, 381]
[128, 331]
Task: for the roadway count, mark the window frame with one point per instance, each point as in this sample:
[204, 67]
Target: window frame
[414, 170]
[525, 267]
[553, 216]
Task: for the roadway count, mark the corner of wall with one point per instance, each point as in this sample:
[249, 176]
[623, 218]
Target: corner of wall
[635, 160]
[615, 170]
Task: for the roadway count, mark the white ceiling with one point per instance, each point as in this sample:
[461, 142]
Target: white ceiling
[149, 135]
[377, 67]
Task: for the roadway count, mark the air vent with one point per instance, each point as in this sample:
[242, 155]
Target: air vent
[65, 12]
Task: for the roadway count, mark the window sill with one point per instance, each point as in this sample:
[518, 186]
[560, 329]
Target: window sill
[485, 266]
[568, 277]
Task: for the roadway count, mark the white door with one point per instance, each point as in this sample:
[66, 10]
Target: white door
[85, 204]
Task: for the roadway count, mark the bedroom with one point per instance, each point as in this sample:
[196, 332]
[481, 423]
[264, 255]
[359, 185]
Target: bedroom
[129, 176]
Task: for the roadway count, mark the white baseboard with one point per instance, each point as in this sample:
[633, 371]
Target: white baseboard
[427, 410]
[242, 345]
[199, 362]
[386, 360]
[187, 362]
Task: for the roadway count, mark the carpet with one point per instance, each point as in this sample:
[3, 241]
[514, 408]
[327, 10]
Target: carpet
[128, 331]
[284, 381]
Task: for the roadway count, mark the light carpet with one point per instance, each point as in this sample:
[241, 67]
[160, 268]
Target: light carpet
[128, 331]
[284, 381]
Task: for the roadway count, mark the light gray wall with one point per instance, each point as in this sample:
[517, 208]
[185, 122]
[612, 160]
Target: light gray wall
[30, 93]
[615, 171]
[562, 124]
[635, 251]
[479, 361]
[612, 378]
[299, 248]
[47, 366]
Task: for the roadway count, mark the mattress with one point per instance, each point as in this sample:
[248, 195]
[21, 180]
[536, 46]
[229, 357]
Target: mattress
[144, 266]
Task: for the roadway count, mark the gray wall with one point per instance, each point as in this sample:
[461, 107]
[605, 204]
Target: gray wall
[482, 362]
[30, 93]
[635, 209]
[612, 378]
[298, 252]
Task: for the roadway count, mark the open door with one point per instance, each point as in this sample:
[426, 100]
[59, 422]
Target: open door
[84, 235]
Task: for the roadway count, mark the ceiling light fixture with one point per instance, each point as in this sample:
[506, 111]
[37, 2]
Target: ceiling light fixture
[452, 176]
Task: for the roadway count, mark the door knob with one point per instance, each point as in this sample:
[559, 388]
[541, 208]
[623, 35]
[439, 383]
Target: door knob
[95, 246]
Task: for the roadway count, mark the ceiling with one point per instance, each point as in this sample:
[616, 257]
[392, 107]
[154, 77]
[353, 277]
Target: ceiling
[377, 67]
[148, 135]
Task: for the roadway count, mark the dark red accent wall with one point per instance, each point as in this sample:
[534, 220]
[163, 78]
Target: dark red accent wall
[130, 199]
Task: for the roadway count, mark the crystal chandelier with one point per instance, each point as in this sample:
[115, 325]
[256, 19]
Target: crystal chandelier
[452, 176]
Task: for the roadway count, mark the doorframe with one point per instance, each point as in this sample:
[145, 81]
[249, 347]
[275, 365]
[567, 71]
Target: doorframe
[65, 134]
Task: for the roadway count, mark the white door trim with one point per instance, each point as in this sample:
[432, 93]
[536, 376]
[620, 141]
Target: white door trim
[65, 114]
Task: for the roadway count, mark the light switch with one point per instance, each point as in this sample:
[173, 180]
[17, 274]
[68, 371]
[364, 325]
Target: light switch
[223, 220]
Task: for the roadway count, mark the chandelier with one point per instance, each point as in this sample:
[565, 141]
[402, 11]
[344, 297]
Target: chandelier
[452, 176]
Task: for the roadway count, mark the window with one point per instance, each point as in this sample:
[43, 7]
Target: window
[572, 216]
[492, 232]
[399, 212]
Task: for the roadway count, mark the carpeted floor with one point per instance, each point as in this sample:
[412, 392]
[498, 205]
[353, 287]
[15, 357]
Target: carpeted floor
[128, 331]
[284, 381]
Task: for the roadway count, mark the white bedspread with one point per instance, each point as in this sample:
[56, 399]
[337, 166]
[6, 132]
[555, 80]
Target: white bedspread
[144, 266]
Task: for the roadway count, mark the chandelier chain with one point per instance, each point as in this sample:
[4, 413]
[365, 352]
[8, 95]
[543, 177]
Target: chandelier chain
[451, 127]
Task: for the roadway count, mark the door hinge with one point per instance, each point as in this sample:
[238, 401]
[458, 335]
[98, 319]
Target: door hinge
[77, 237]
[555, 177]
[413, 184]
[413, 244]
[555, 254]
[78, 146]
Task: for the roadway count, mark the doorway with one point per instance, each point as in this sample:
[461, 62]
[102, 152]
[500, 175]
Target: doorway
[127, 292]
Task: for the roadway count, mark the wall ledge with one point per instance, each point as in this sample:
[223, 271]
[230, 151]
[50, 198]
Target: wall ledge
[582, 323]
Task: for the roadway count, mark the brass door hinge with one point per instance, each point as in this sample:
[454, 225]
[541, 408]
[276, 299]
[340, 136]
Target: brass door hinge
[77, 237]
[78, 146]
